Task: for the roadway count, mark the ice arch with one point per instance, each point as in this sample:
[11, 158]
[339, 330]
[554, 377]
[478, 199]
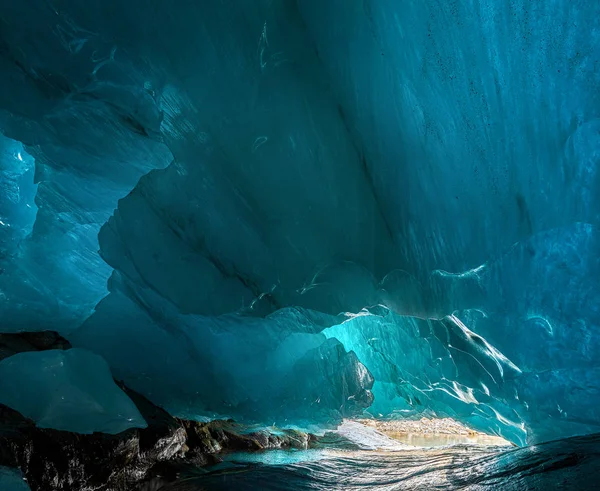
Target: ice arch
[276, 168]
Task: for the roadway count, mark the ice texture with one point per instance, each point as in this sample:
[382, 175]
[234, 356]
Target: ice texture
[278, 370]
[69, 390]
[12, 480]
[292, 211]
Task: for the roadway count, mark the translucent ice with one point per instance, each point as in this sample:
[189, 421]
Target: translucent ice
[277, 369]
[12, 480]
[69, 390]
[273, 210]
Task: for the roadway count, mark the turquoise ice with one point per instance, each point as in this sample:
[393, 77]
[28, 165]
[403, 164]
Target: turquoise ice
[292, 212]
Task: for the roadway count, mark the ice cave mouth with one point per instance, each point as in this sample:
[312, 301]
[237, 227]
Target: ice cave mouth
[290, 213]
[424, 433]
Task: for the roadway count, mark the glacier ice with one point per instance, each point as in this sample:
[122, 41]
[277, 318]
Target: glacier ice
[300, 377]
[12, 480]
[67, 390]
[292, 212]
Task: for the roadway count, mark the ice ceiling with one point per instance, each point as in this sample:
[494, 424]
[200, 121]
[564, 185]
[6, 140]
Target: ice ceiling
[287, 212]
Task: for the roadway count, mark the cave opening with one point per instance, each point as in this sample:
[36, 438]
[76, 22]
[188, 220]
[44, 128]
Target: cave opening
[248, 244]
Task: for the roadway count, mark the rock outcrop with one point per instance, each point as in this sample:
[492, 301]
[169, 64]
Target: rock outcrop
[136, 459]
[143, 459]
[13, 343]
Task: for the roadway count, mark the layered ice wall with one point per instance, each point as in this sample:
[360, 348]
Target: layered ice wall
[319, 207]
[83, 114]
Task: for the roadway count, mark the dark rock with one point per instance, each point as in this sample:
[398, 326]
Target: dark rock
[51, 459]
[201, 438]
[13, 343]
[218, 436]
[165, 437]
[137, 459]
[298, 439]
[140, 459]
[46, 340]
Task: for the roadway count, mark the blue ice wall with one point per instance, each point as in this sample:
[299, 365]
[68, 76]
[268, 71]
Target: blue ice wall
[223, 187]
[478, 120]
[83, 114]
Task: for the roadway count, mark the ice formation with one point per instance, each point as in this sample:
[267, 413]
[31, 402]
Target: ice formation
[67, 390]
[296, 211]
[12, 480]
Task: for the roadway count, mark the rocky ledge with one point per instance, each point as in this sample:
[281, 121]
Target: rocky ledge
[137, 459]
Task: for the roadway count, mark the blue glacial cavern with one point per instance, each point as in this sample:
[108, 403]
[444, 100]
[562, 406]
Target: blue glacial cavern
[288, 213]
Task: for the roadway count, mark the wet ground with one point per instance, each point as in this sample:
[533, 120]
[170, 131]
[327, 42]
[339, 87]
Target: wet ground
[426, 432]
[371, 460]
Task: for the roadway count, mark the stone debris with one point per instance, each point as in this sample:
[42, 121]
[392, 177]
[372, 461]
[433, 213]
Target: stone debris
[425, 426]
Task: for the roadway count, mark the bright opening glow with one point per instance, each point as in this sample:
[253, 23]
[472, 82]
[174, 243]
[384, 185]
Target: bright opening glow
[435, 432]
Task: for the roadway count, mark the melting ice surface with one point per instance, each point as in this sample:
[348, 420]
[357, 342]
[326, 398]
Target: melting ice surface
[293, 212]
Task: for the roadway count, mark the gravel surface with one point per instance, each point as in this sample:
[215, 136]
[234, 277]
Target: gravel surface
[445, 426]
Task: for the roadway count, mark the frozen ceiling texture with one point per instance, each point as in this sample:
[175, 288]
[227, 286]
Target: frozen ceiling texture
[290, 212]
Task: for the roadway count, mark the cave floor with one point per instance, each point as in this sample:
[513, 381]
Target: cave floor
[391, 465]
[427, 432]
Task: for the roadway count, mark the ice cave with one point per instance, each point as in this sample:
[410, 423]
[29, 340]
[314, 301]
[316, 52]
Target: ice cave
[291, 213]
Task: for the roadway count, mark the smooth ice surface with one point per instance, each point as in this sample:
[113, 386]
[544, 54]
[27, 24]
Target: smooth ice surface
[275, 211]
[12, 480]
[274, 370]
[67, 390]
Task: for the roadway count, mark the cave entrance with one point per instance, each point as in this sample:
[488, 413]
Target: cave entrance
[429, 432]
